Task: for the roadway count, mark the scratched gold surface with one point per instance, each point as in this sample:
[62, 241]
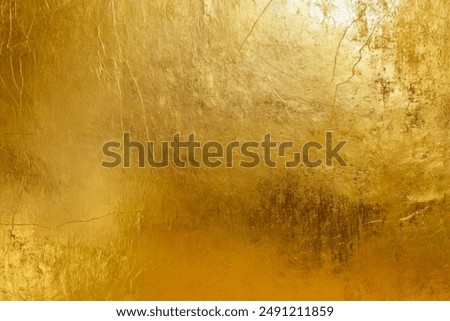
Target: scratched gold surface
[76, 73]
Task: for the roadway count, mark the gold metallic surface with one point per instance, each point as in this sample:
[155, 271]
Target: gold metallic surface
[75, 74]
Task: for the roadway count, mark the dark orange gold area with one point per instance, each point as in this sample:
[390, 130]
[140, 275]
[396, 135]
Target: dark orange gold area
[75, 74]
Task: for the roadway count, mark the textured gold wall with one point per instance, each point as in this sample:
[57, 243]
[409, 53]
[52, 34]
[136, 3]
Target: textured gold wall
[77, 73]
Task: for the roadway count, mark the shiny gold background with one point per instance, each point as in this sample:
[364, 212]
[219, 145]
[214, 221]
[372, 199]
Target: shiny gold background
[77, 73]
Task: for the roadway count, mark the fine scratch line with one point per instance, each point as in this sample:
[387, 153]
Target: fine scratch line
[254, 25]
[70, 222]
[366, 43]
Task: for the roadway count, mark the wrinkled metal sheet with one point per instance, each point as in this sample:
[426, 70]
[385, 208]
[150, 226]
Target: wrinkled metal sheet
[75, 74]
